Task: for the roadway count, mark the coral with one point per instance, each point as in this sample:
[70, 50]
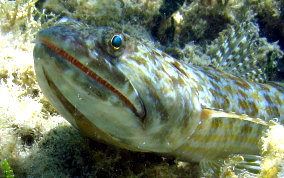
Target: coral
[272, 145]
[130, 16]
[17, 17]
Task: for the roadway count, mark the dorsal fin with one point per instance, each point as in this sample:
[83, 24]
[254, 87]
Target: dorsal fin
[240, 51]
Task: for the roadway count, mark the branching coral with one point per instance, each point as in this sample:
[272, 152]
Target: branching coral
[17, 17]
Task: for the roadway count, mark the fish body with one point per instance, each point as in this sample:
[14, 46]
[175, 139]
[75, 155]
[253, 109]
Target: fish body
[124, 91]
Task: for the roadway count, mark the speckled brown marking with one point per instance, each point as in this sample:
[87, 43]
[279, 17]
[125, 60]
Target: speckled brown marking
[279, 87]
[254, 110]
[260, 130]
[226, 102]
[231, 123]
[228, 89]
[177, 66]
[216, 87]
[243, 94]
[265, 87]
[246, 129]
[199, 88]
[277, 99]
[267, 98]
[243, 104]
[241, 83]
[231, 77]
[276, 112]
[214, 78]
[219, 71]
[269, 111]
[256, 96]
[138, 61]
[212, 74]
[216, 95]
[238, 81]
[273, 112]
[216, 123]
[198, 75]
[213, 92]
[160, 107]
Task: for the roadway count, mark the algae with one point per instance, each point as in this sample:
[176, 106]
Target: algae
[8, 172]
[38, 142]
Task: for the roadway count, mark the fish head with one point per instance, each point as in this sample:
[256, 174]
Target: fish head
[113, 87]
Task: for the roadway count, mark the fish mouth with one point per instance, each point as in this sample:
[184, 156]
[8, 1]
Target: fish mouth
[140, 113]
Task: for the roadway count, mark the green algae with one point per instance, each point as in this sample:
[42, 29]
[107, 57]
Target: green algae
[8, 172]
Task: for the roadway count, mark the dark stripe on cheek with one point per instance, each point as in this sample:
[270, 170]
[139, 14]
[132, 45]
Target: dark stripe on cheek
[64, 102]
[177, 66]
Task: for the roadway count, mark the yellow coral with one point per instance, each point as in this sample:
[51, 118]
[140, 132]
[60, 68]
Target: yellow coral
[272, 145]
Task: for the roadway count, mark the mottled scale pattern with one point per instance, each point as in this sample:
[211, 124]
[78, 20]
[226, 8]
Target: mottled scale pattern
[137, 97]
[233, 94]
[220, 92]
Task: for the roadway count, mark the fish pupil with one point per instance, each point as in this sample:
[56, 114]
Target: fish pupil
[116, 42]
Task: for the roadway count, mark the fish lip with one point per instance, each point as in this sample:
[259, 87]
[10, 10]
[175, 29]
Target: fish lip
[69, 58]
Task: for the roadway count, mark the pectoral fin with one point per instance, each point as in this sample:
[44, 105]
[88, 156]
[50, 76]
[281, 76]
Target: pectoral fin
[232, 166]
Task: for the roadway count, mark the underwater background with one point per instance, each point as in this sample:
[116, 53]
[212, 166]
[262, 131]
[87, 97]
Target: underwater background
[36, 141]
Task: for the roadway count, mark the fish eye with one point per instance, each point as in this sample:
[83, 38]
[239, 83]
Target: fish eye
[113, 42]
[116, 42]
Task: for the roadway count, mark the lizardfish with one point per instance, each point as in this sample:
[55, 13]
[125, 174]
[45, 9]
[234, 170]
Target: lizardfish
[124, 91]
